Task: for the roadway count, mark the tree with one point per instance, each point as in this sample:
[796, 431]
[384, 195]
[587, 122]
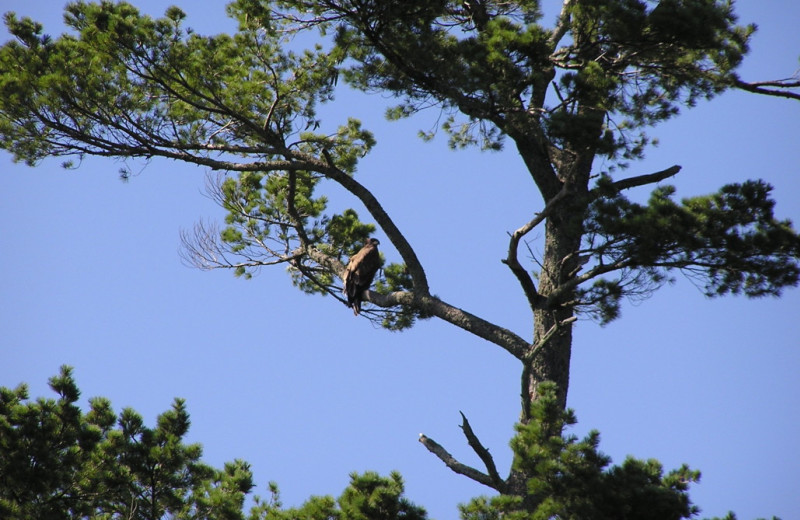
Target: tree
[572, 97]
[58, 462]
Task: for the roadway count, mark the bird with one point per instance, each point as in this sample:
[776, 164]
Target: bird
[360, 272]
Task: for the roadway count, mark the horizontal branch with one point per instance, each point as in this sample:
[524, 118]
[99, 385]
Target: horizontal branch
[758, 88]
[641, 180]
[451, 462]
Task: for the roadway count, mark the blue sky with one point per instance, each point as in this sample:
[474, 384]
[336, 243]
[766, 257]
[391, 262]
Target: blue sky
[90, 276]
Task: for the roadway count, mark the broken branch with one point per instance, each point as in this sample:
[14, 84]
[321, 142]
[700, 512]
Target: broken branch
[482, 452]
[450, 461]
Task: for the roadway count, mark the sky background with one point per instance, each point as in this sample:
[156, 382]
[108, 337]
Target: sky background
[90, 276]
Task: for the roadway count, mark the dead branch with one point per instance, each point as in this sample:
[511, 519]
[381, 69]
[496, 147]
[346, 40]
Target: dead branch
[529, 288]
[451, 462]
[482, 452]
[642, 180]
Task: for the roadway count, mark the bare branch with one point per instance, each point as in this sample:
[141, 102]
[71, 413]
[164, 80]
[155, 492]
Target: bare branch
[482, 452]
[641, 180]
[594, 272]
[758, 87]
[202, 248]
[541, 342]
[527, 362]
[534, 299]
[451, 462]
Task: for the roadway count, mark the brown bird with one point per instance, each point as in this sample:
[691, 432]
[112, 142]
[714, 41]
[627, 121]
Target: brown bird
[359, 273]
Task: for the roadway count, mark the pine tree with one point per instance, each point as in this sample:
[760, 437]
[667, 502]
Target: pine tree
[565, 98]
[57, 462]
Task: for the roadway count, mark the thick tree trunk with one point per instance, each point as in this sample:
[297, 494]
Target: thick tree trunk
[549, 359]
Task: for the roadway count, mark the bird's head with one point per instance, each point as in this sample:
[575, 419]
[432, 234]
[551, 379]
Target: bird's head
[373, 241]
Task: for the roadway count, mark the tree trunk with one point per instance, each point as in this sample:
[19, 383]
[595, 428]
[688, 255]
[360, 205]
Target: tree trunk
[549, 355]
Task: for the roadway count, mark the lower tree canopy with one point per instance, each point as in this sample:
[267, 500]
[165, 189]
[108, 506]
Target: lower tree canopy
[58, 462]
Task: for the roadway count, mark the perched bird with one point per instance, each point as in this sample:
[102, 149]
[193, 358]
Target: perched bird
[359, 273]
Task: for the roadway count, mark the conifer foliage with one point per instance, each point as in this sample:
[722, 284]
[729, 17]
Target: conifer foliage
[57, 462]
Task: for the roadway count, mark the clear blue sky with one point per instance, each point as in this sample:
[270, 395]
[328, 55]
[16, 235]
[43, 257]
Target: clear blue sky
[90, 276]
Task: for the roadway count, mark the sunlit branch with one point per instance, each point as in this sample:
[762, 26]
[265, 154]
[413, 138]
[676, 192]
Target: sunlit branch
[562, 26]
[433, 306]
[482, 452]
[329, 169]
[458, 467]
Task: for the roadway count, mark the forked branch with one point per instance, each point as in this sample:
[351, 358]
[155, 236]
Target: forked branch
[458, 467]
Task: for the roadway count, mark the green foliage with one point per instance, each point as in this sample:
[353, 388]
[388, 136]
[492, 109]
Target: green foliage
[396, 278]
[728, 242]
[628, 65]
[56, 462]
[368, 497]
[134, 86]
[570, 478]
[121, 84]
[372, 497]
[127, 85]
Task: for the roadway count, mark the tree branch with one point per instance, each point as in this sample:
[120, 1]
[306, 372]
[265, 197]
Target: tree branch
[451, 462]
[594, 272]
[432, 306]
[527, 362]
[329, 169]
[535, 300]
[758, 88]
[292, 210]
[641, 180]
[562, 26]
[483, 453]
